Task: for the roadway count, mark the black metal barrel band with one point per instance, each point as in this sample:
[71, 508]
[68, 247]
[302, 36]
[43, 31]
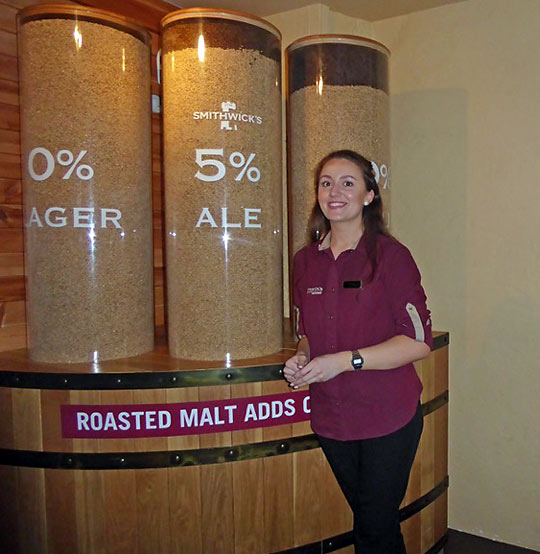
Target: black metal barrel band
[153, 379]
[155, 459]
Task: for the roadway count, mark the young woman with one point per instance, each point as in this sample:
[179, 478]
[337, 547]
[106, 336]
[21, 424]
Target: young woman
[362, 321]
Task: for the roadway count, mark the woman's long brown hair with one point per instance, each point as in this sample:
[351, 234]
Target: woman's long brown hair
[372, 214]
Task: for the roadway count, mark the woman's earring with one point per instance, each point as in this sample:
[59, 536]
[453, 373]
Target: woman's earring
[366, 203]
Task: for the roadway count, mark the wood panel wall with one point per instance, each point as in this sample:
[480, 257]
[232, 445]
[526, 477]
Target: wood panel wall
[12, 282]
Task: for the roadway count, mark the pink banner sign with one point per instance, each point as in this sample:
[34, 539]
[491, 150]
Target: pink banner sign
[184, 418]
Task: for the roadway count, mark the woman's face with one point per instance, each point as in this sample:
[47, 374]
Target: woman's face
[342, 191]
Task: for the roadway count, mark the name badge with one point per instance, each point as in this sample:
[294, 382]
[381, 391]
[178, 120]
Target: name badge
[352, 284]
[314, 290]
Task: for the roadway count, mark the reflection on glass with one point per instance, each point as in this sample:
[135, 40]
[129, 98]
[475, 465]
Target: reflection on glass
[201, 48]
[78, 37]
[320, 84]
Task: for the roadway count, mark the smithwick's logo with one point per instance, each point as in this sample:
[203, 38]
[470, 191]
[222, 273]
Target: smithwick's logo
[228, 117]
[315, 290]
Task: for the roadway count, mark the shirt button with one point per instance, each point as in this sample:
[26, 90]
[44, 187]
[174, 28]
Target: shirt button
[332, 347]
[330, 316]
[333, 289]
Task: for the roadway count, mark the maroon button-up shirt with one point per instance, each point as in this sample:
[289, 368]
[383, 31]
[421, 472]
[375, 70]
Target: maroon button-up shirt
[337, 309]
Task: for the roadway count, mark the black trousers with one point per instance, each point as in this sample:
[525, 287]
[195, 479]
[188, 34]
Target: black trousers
[373, 475]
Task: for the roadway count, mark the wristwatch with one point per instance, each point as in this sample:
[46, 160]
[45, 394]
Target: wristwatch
[357, 360]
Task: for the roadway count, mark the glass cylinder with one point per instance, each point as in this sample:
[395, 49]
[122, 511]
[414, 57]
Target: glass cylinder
[222, 157]
[337, 99]
[86, 156]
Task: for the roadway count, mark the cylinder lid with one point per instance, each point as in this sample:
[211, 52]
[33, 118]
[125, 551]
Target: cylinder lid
[202, 13]
[83, 13]
[333, 39]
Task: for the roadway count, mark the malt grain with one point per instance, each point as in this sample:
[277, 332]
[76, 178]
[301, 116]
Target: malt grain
[342, 117]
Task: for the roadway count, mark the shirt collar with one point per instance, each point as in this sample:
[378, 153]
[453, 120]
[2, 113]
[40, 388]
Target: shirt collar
[325, 242]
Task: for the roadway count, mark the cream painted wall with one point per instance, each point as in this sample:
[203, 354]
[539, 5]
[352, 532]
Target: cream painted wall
[317, 19]
[465, 83]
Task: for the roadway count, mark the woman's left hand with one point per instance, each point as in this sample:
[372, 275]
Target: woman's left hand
[320, 369]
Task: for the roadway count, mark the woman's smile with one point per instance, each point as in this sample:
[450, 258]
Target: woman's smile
[334, 205]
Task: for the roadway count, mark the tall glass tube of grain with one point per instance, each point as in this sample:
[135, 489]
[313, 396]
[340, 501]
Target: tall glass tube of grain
[222, 157]
[337, 99]
[86, 156]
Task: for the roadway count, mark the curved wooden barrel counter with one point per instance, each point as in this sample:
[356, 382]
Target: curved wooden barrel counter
[251, 491]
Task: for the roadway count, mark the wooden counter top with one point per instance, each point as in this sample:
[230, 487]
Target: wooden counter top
[155, 369]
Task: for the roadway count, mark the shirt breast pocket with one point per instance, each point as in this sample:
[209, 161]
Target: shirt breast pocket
[369, 300]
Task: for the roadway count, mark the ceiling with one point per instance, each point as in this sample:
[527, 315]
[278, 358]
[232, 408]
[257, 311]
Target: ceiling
[370, 10]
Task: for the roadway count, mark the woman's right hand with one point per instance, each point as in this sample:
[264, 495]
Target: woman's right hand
[294, 364]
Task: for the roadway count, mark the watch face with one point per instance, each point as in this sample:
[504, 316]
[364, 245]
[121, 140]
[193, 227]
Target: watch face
[357, 360]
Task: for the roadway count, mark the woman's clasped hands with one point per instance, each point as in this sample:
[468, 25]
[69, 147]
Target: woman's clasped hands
[299, 371]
